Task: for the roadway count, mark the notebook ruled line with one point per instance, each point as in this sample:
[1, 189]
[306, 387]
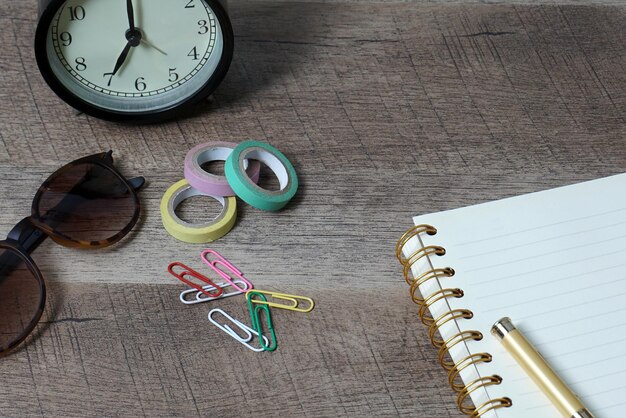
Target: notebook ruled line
[591, 379]
[612, 406]
[538, 285]
[596, 315]
[535, 242]
[545, 254]
[552, 296]
[511, 233]
[582, 350]
[578, 366]
[587, 395]
[569, 306]
[587, 334]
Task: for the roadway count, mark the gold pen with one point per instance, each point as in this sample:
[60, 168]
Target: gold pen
[538, 369]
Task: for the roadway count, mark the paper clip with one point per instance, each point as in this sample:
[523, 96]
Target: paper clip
[198, 296]
[248, 332]
[191, 272]
[294, 300]
[256, 324]
[231, 269]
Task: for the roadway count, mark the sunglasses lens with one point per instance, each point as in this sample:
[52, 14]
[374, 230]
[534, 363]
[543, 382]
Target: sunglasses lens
[87, 202]
[20, 298]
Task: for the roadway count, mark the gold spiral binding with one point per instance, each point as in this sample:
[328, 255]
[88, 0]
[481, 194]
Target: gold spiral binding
[451, 315]
[481, 382]
[454, 340]
[413, 232]
[426, 276]
[434, 298]
[468, 361]
[425, 303]
[418, 255]
[490, 405]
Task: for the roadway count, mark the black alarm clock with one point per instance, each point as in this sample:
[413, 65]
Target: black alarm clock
[133, 60]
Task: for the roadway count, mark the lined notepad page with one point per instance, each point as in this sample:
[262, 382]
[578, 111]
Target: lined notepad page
[555, 262]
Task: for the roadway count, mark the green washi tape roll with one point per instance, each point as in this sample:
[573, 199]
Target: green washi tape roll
[246, 189]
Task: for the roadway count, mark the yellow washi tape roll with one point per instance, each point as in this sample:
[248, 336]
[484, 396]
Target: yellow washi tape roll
[195, 232]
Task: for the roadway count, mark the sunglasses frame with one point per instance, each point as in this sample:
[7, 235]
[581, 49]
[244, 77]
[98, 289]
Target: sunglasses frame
[105, 160]
[16, 249]
[32, 231]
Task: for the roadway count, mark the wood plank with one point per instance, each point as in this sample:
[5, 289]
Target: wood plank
[107, 350]
[467, 89]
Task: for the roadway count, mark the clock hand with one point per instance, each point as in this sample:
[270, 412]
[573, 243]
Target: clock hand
[122, 58]
[131, 15]
[134, 39]
[147, 43]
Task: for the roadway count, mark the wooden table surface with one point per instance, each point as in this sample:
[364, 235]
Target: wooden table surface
[387, 110]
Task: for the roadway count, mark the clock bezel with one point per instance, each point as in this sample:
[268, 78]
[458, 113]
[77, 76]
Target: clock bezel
[158, 115]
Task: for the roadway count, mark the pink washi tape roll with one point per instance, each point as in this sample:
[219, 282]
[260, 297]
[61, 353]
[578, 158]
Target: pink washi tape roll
[206, 182]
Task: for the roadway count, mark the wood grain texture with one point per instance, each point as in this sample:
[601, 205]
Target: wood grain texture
[387, 111]
[110, 350]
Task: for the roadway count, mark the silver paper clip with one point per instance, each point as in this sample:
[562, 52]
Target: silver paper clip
[248, 332]
[200, 297]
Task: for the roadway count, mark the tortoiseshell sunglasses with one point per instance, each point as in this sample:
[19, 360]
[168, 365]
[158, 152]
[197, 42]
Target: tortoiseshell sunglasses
[87, 204]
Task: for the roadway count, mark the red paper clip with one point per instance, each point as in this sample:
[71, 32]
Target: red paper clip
[191, 272]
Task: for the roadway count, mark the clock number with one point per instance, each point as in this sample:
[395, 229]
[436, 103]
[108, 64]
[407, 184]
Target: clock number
[139, 84]
[66, 38]
[203, 27]
[110, 75]
[173, 75]
[80, 64]
[190, 5]
[77, 13]
[193, 53]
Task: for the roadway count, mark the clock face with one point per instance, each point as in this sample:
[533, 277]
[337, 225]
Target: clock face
[169, 54]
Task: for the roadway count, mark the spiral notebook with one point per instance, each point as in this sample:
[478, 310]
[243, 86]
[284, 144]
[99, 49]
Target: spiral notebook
[555, 262]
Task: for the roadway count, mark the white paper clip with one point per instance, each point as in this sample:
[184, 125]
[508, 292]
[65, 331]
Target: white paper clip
[201, 297]
[248, 332]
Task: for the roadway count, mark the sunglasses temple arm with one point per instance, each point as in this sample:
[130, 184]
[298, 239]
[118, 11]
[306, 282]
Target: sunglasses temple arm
[137, 183]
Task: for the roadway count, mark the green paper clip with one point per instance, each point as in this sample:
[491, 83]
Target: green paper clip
[256, 324]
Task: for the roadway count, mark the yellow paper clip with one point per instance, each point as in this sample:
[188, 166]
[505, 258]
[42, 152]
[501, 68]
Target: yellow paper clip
[293, 305]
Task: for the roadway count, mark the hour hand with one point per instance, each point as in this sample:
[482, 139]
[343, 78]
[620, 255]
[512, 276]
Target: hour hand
[122, 57]
[119, 62]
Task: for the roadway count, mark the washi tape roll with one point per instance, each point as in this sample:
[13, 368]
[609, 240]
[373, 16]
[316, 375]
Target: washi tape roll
[213, 184]
[195, 232]
[245, 187]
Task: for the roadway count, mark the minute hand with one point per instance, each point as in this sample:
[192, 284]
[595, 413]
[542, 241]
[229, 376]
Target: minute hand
[131, 15]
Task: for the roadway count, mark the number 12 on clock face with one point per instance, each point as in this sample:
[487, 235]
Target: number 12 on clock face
[135, 60]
